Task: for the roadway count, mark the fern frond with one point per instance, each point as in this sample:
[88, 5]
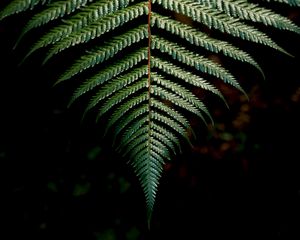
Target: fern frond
[172, 113]
[117, 84]
[160, 148]
[142, 131]
[186, 76]
[148, 168]
[137, 75]
[176, 100]
[104, 52]
[97, 29]
[201, 39]
[194, 60]
[128, 118]
[124, 108]
[79, 21]
[122, 94]
[171, 138]
[222, 22]
[157, 161]
[253, 12]
[181, 92]
[111, 71]
[137, 146]
[176, 127]
[133, 128]
[20, 6]
[289, 2]
[54, 11]
[163, 141]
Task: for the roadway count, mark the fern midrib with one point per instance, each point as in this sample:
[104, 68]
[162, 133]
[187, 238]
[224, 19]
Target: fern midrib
[149, 91]
[149, 48]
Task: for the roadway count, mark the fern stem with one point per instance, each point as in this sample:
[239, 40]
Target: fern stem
[149, 211]
[149, 47]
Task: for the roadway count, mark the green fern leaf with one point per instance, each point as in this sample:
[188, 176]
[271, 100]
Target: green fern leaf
[186, 76]
[54, 11]
[289, 2]
[98, 28]
[20, 6]
[252, 12]
[171, 137]
[194, 60]
[85, 17]
[130, 118]
[111, 71]
[201, 39]
[222, 22]
[139, 63]
[104, 52]
[132, 130]
[172, 113]
[121, 95]
[182, 93]
[118, 84]
[124, 108]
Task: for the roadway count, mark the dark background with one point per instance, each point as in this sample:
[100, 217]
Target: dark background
[61, 180]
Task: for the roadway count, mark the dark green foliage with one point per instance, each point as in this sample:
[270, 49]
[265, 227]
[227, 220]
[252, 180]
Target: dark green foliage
[146, 88]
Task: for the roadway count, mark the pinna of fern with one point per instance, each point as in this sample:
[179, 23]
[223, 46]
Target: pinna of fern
[140, 77]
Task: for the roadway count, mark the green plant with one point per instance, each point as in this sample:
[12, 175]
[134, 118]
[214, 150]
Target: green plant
[141, 61]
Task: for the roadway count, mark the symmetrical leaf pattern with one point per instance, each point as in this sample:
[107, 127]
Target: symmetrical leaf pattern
[144, 62]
